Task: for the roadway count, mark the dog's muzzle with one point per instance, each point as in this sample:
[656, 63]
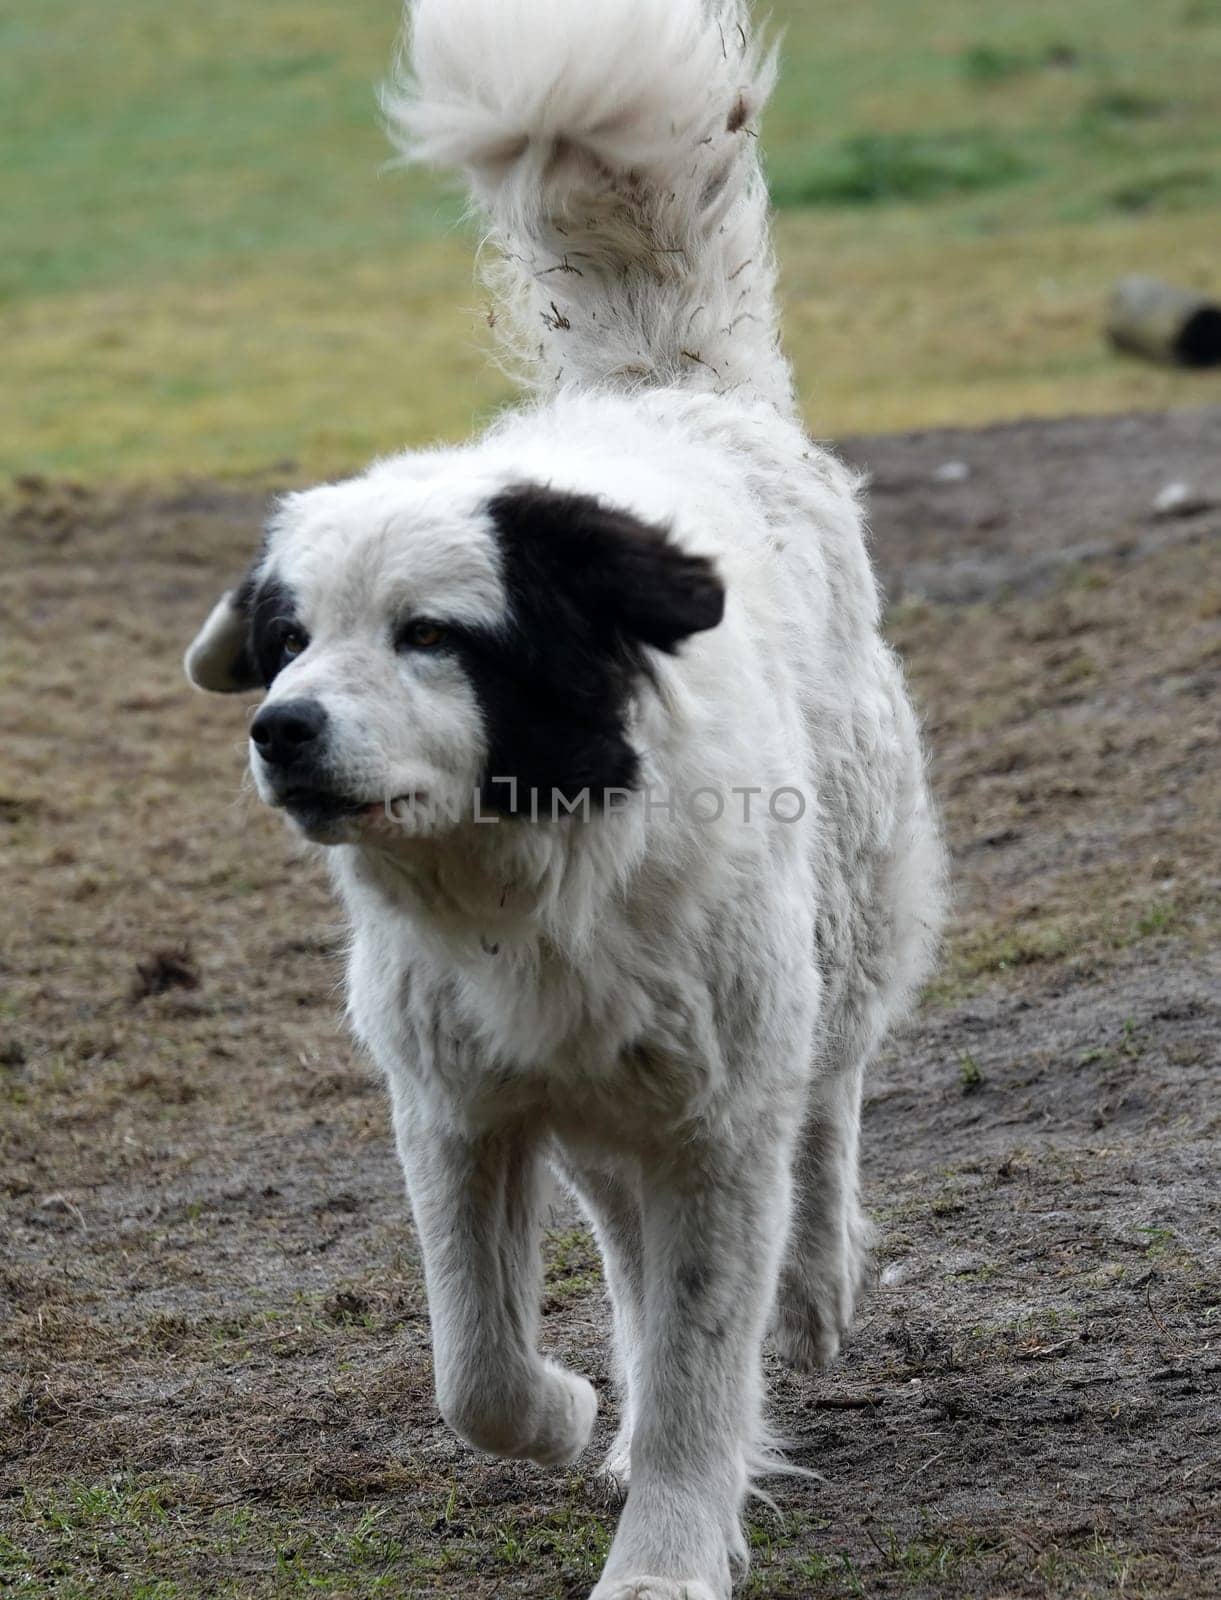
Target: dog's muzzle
[290, 740]
[289, 736]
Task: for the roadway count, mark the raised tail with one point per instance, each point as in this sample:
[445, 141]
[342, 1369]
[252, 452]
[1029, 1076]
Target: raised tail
[613, 146]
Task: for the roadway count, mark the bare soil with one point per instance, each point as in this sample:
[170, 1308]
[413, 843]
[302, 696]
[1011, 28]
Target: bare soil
[214, 1366]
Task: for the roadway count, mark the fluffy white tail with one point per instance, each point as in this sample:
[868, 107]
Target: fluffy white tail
[613, 146]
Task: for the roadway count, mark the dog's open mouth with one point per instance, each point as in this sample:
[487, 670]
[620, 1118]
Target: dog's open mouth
[321, 808]
[322, 805]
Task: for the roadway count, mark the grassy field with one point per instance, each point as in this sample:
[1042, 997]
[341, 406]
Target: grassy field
[206, 264]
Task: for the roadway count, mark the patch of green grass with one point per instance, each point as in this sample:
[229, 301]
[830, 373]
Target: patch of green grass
[872, 169]
[925, 1562]
[1173, 190]
[1102, 1566]
[14, 1561]
[985, 65]
[114, 1505]
[931, 1559]
[832, 1575]
[572, 1264]
[117, 1540]
[970, 1074]
[114, 1527]
[218, 134]
[577, 1543]
[206, 264]
[1124, 105]
[1099, 927]
[999, 949]
[984, 1273]
[1157, 920]
[783, 1562]
[1158, 1242]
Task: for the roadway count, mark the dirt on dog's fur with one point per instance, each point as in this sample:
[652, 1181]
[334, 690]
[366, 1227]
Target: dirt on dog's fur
[215, 1373]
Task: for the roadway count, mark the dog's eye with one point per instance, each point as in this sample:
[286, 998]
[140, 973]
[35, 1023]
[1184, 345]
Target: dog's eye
[422, 635]
[292, 645]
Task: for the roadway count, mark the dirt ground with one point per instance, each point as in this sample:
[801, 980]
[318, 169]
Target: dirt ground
[214, 1369]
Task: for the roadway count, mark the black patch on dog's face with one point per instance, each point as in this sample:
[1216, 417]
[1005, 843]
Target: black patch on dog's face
[272, 609]
[589, 588]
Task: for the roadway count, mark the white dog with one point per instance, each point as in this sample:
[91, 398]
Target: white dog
[621, 788]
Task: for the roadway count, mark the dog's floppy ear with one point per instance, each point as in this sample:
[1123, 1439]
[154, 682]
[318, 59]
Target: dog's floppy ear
[220, 660]
[624, 575]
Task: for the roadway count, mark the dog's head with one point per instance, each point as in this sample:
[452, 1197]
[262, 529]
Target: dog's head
[429, 652]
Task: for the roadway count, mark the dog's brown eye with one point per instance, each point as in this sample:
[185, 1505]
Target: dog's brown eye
[292, 645]
[423, 635]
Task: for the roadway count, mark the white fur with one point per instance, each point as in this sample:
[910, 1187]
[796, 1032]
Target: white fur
[613, 148]
[675, 1013]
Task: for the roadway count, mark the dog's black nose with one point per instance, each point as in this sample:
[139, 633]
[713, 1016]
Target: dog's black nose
[285, 733]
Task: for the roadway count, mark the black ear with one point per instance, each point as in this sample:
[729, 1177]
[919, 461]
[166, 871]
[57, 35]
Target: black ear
[220, 659]
[622, 574]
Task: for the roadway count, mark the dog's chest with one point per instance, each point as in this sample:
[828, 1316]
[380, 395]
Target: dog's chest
[623, 1041]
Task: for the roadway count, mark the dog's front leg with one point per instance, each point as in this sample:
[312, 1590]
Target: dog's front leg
[475, 1202]
[713, 1237]
[613, 1204]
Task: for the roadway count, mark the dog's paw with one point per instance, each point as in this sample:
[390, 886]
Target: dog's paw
[614, 1476]
[816, 1303]
[804, 1337]
[654, 1589]
[569, 1414]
